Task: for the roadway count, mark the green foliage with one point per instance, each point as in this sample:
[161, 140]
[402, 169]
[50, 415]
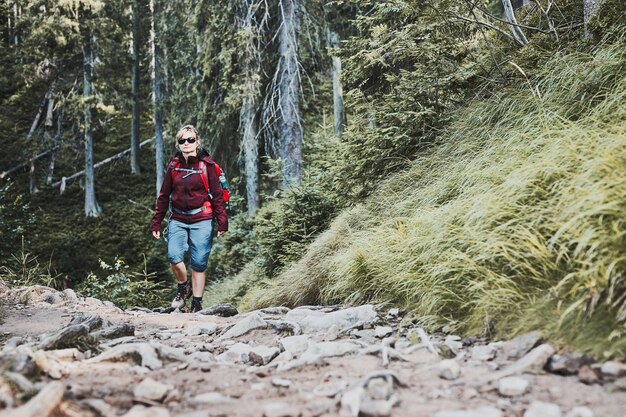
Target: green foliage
[23, 269]
[125, 288]
[513, 219]
[16, 217]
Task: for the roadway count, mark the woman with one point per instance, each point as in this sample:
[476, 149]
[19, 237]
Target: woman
[192, 190]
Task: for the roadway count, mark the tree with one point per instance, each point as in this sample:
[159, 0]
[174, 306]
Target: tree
[509, 13]
[589, 9]
[134, 135]
[290, 127]
[92, 209]
[157, 97]
[338, 107]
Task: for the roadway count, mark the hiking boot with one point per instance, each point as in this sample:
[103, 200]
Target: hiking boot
[183, 292]
[196, 305]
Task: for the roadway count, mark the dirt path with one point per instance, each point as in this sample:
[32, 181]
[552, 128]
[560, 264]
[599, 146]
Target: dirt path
[279, 362]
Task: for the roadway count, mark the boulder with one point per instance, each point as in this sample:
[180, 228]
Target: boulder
[512, 386]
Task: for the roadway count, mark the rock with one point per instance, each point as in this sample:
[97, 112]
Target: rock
[312, 321]
[7, 399]
[66, 337]
[393, 312]
[332, 333]
[613, 369]
[619, 385]
[275, 310]
[281, 326]
[454, 343]
[251, 322]
[479, 412]
[579, 412]
[143, 351]
[149, 389]
[375, 408]
[206, 328]
[533, 361]
[351, 401]
[484, 352]
[92, 322]
[70, 295]
[367, 335]
[521, 345]
[113, 332]
[201, 357]
[262, 355]
[48, 364]
[280, 410]
[281, 383]
[512, 386]
[43, 404]
[568, 364]
[379, 389]
[383, 331]
[329, 349]
[238, 353]
[211, 398]
[101, 407]
[141, 411]
[542, 409]
[13, 342]
[449, 369]
[321, 406]
[295, 344]
[588, 375]
[223, 310]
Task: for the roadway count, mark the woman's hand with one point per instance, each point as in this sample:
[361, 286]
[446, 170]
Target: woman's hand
[220, 233]
[156, 234]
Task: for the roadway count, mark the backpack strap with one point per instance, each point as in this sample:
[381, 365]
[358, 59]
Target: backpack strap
[204, 177]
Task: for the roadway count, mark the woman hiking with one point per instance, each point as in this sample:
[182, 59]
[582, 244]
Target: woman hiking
[192, 190]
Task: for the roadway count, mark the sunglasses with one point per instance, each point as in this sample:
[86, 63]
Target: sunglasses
[189, 140]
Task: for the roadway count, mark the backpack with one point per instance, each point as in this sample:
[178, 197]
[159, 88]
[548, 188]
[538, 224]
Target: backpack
[204, 177]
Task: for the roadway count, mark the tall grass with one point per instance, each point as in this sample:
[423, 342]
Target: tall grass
[515, 220]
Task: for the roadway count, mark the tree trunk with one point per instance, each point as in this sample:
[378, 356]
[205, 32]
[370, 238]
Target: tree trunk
[134, 134]
[509, 14]
[589, 9]
[290, 128]
[157, 98]
[250, 105]
[48, 137]
[92, 209]
[338, 107]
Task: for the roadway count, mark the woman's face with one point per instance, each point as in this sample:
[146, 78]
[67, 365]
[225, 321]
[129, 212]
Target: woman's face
[185, 146]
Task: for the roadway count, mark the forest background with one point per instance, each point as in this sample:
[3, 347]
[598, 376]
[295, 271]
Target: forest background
[453, 158]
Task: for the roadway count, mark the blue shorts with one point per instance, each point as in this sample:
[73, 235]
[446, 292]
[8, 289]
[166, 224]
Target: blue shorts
[197, 236]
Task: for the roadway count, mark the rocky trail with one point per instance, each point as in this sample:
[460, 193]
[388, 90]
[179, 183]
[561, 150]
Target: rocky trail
[68, 356]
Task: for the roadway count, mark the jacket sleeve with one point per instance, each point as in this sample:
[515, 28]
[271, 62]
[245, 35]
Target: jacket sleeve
[163, 201]
[217, 200]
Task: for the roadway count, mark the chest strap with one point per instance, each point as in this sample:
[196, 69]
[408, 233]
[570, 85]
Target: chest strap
[189, 212]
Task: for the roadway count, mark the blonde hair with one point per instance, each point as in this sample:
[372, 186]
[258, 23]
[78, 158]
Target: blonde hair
[187, 128]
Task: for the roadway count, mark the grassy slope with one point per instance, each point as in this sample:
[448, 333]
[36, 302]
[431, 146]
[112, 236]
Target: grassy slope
[514, 221]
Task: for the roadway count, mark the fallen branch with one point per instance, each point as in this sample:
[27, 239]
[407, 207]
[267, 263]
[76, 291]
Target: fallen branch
[38, 156]
[72, 177]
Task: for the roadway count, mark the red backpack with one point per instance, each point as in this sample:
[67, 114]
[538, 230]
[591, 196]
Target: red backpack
[203, 175]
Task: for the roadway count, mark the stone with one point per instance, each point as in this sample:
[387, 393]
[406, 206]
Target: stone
[141, 411]
[351, 401]
[393, 312]
[376, 408]
[484, 352]
[152, 390]
[579, 412]
[383, 331]
[201, 357]
[521, 345]
[449, 369]
[588, 375]
[613, 369]
[313, 321]
[533, 361]
[281, 383]
[280, 410]
[211, 398]
[367, 335]
[379, 389]
[329, 349]
[238, 353]
[512, 386]
[479, 412]
[13, 342]
[199, 329]
[295, 344]
[70, 295]
[223, 310]
[251, 322]
[568, 364]
[619, 385]
[542, 409]
[332, 333]
[454, 343]
[143, 351]
[262, 355]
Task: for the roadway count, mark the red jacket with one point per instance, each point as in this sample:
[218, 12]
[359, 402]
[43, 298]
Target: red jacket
[190, 193]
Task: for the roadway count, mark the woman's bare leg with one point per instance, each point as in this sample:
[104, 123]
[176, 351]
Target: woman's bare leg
[180, 272]
[198, 280]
